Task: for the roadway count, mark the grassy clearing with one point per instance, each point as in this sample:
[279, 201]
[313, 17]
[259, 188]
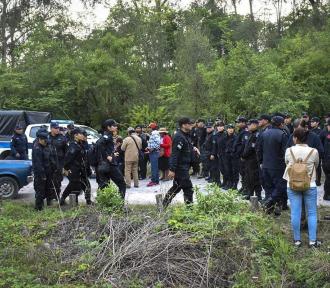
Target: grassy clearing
[218, 242]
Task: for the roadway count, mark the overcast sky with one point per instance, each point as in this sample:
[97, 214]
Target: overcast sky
[98, 15]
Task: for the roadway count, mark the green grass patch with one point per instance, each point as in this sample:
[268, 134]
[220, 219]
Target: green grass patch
[243, 248]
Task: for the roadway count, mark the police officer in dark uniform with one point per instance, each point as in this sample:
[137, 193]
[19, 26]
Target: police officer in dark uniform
[69, 135]
[218, 152]
[86, 185]
[230, 160]
[58, 145]
[142, 164]
[288, 123]
[271, 154]
[41, 165]
[251, 163]
[76, 167]
[208, 164]
[201, 136]
[180, 162]
[315, 125]
[264, 125]
[326, 160]
[107, 167]
[242, 137]
[196, 160]
[19, 144]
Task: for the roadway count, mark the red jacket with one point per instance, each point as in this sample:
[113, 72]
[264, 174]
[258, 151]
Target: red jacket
[166, 145]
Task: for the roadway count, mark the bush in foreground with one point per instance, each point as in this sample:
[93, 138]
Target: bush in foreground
[217, 242]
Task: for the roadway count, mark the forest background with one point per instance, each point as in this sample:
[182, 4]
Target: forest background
[153, 60]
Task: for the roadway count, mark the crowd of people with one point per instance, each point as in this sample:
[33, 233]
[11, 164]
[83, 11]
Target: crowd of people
[257, 151]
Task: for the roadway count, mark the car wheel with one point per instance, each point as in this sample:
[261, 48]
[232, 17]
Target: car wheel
[8, 188]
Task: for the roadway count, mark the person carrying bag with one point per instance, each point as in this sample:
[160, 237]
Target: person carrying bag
[300, 174]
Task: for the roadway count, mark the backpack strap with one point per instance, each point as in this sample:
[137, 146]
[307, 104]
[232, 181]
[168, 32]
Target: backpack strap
[136, 144]
[309, 155]
[293, 157]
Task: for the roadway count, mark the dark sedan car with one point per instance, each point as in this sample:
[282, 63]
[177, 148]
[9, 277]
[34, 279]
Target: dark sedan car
[14, 174]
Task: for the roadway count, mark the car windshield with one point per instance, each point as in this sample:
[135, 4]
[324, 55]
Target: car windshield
[33, 131]
[91, 132]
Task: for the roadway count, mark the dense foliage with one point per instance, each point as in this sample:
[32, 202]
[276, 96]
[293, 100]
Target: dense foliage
[152, 60]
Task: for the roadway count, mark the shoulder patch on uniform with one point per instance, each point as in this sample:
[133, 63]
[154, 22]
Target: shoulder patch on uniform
[105, 136]
[180, 145]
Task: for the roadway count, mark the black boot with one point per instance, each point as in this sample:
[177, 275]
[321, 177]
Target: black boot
[62, 201]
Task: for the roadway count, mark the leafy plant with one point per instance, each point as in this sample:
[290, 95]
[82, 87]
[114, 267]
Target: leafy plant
[110, 199]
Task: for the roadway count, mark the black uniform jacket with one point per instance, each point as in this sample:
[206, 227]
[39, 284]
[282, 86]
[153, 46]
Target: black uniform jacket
[182, 152]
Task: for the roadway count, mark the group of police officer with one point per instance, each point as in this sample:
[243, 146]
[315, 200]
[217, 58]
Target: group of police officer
[55, 154]
[256, 153]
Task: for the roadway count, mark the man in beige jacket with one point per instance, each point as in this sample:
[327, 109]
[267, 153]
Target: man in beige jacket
[131, 146]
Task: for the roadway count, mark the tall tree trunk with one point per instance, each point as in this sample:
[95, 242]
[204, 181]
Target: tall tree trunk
[278, 6]
[235, 6]
[251, 10]
[254, 28]
[3, 32]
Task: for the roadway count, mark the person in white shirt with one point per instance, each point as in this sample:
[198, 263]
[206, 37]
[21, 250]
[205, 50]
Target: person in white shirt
[302, 151]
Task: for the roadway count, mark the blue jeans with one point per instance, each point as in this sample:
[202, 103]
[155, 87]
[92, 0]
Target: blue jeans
[310, 199]
[153, 156]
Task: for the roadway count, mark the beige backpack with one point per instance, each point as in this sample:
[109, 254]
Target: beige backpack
[298, 173]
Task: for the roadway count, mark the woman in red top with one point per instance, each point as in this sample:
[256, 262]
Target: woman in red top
[165, 153]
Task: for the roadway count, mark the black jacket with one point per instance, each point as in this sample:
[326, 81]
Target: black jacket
[208, 143]
[19, 144]
[230, 144]
[201, 136]
[144, 140]
[59, 145]
[313, 141]
[239, 145]
[272, 147]
[76, 161]
[249, 152]
[326, 158]
[105, 147]
[182, 152]
[317, 131]
[219, 145]
[41, 160]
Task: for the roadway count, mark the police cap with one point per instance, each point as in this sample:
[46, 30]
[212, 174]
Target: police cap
[315, 119]
[54, 125]
[42, 133]
[241, 119]
[253, 121]
[230, 126]
[70, 126]
[19, 127]
[265, 117]
[78, 130]
[220, 123]
[277, 120]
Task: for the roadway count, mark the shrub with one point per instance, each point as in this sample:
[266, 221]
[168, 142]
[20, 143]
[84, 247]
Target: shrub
[110, 199]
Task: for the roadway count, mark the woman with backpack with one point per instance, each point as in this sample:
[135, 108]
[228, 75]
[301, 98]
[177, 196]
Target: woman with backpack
[300, 173]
